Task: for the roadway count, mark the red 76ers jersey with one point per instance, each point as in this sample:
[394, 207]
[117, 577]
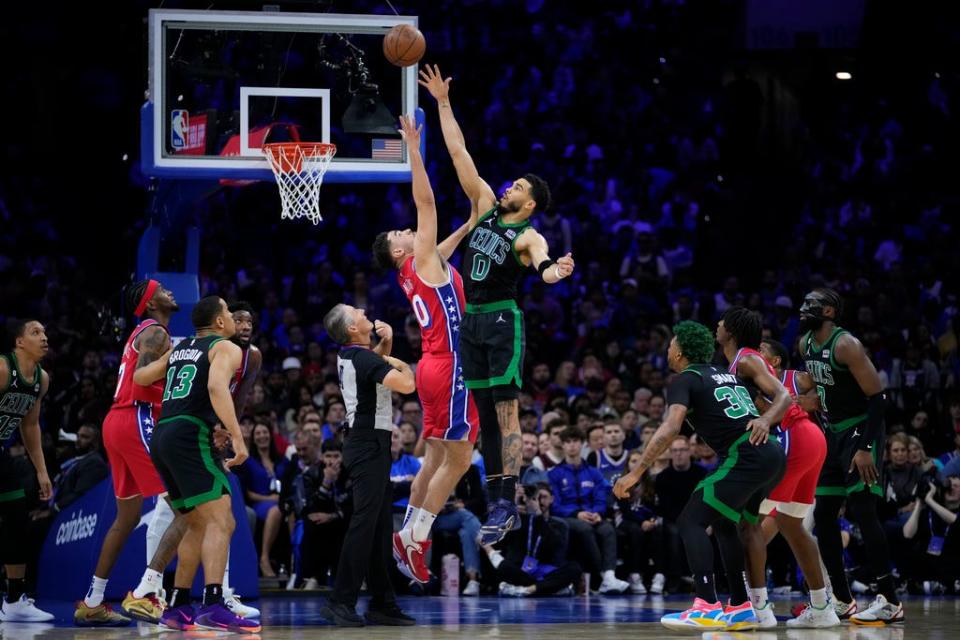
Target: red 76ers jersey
[439, 309]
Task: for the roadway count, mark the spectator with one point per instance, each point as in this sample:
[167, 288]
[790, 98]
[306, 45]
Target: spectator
[921, 428]
[657, 407]
[532, 560]
[914, 381]
[673, 488]
[259, 478]
[918, 457]
[325, 514]
[334, 416]
[411, 412]
[936, 542]
[594, 441]
[408, 437]
[554, 455]
[611, 459]
[951, 456]
[642, 531]
[529, 449]
[581, 500]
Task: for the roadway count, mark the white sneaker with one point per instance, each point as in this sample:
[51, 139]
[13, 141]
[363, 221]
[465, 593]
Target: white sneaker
[232, 601]
[858, 587]
[614, 586]
[310, 584]
[656, 587]
[473, 588]
[766, 618]
[23, 610]
[512, 590]
[879, 613]
[636, 585]
[813, 618]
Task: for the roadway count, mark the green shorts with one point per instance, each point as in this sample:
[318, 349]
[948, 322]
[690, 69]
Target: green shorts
[182, 450]
[836, 478]
[746, 475]
[492, 343]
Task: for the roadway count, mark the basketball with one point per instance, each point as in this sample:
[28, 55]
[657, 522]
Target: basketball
[404, 45]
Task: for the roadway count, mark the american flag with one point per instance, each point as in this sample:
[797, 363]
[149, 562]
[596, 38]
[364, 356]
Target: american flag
[387, 149]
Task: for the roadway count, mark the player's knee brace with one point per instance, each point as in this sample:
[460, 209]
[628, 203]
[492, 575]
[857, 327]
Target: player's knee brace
[162, 517]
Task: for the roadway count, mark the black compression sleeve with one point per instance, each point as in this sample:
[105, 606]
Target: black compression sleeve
[876, 406]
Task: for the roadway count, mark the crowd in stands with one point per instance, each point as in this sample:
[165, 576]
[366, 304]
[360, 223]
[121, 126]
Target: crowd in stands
[677, 197]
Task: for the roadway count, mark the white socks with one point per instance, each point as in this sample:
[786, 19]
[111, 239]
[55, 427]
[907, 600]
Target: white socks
[758, 597]
[818, 598]
[162, 517]
[226, 574]
[609, 576]
[496, 558]
[151, 582]
[95, 594]
[423, 524]
[409, 517]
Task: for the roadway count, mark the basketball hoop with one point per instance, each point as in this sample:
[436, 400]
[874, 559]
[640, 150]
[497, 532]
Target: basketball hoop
[299, 168]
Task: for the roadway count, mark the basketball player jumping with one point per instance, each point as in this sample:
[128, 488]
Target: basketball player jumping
[502, 246]
[127, 431]
[23, 384]
[450, 422]
[852, 403]
[738, 334]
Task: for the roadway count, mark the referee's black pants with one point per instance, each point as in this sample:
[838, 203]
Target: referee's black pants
[367, 551]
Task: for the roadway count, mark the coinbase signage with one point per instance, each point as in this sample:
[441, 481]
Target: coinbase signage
[73, 544]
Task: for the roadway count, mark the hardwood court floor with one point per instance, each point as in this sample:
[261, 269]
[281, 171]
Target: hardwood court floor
[580, 618]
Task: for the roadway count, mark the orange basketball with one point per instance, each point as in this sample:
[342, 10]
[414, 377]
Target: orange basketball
[404, 45]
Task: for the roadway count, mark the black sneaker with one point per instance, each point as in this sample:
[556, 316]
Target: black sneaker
[341, 615]
[390, 616]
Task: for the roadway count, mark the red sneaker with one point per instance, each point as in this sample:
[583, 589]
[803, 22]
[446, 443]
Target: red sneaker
[411, 555]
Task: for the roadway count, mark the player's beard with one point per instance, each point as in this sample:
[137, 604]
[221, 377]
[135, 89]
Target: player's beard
[243, 343]
[510, 207]
[811, 323]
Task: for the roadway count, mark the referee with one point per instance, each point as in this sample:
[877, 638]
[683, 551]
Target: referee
[368, 376]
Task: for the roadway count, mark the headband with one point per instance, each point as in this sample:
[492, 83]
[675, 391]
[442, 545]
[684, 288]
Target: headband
[147, 295]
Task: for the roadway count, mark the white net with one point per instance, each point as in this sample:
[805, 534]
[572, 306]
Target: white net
[299, 168]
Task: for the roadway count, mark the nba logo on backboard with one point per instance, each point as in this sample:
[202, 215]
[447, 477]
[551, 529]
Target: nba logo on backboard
[179, 123]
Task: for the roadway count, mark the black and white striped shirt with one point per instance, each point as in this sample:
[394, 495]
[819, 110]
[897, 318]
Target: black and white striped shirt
[369, 403]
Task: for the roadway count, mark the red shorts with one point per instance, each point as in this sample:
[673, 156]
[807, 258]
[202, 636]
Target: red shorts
[126, 437]
[806, 450]
[449, 412]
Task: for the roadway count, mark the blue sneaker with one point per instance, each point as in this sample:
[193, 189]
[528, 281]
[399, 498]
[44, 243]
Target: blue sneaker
[218, 616]
[503, 517]
[702, 615]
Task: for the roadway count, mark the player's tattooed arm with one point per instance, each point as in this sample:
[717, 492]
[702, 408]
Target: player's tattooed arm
[509, 421]
[659, 442]
[154, 348]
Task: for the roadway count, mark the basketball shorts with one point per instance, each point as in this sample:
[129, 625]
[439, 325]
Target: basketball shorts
[492, 344]
[836, 478]
[14, 475]
[449, 412]
[806, 449]
[746, 475]
[183, 454]
[126, 437]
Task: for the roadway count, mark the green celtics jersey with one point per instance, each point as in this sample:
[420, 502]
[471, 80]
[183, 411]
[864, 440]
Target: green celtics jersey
[842, 401]
[491, 267]
[18, 398]
[188, 372]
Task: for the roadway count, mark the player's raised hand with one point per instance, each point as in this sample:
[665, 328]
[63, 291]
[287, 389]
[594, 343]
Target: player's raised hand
[432, 80]
[565, 265]
[383, 330]
[410, 132]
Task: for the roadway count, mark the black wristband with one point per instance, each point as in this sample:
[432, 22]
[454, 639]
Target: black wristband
[543, 266]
